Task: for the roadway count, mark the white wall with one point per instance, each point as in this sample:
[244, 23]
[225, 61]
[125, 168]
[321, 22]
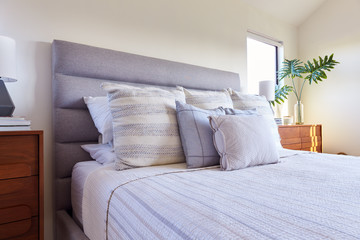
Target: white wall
[209, 33]
[334, 28]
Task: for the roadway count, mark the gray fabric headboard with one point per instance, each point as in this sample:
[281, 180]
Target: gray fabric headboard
[78, 71]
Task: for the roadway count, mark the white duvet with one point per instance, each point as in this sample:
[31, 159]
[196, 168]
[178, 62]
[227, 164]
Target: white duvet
[305, 196]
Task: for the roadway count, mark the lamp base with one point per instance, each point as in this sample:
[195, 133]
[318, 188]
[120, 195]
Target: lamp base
[7, 106]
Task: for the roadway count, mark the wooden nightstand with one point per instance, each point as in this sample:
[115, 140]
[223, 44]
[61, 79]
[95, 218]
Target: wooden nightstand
[21, 185]
[301, 137]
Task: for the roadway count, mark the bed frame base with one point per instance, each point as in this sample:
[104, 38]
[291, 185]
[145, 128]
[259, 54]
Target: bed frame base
[66, 228]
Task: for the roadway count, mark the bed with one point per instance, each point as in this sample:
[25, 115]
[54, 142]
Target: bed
[304, 196]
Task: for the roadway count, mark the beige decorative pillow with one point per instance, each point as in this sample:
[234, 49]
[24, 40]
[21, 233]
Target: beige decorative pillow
[243, 141]
[208, 99]
[144, 124]
[249, 101]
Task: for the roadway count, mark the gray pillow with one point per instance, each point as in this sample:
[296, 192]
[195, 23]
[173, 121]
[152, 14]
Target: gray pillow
[243, 141]
[196, 135]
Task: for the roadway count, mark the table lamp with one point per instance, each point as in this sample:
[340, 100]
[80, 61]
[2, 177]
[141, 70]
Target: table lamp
[7, 74]
[267, 89]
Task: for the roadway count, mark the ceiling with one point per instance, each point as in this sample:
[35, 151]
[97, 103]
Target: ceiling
[294, 11]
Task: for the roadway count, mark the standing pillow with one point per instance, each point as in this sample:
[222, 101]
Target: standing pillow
[243, 141]
[196, 135]
[101, 116]
[144, 124]
[102, 153]
[249, 101]
[208, 99]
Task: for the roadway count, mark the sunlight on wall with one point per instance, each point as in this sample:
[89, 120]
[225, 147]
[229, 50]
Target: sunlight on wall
[334, 102]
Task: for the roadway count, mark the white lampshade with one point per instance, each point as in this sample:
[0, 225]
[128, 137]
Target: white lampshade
[267, 89]
[7, 59]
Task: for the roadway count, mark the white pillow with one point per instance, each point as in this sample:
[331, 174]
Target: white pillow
[101, 115]
[250, 101]
[207, 99]
[145, 127]
[243, 141]
[102, 153]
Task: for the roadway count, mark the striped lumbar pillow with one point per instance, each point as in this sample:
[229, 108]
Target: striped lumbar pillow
[208, 99]
[250, 101]
[144, 124]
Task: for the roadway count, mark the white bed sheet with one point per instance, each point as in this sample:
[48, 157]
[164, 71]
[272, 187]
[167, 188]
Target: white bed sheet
[80, 172]
[305, 196]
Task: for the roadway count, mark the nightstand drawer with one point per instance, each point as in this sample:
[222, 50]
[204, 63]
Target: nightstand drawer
[310, 144]
[25, 229]
[286, 141]
[310, 131]
[311, 139]
[14, 170]
[292, 146]
[289, 132]
[20, 191]
[16, 213]
[21, 149]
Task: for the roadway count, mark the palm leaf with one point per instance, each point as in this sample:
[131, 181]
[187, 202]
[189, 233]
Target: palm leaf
[291, 68]
[316, 69]
[281, 93]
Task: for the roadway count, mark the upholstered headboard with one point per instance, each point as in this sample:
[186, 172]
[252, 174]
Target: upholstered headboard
[78, 71]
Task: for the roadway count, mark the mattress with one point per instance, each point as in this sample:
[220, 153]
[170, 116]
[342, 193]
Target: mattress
[305, 196]
[80, 172]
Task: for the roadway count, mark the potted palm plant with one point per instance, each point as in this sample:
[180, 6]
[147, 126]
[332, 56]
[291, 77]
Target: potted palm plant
[308, 72]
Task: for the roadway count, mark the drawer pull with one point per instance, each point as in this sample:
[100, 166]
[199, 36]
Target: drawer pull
[16, 213]
[14, 229]
[14, 170]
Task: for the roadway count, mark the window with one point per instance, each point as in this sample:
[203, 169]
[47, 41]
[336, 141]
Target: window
[263, 57]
